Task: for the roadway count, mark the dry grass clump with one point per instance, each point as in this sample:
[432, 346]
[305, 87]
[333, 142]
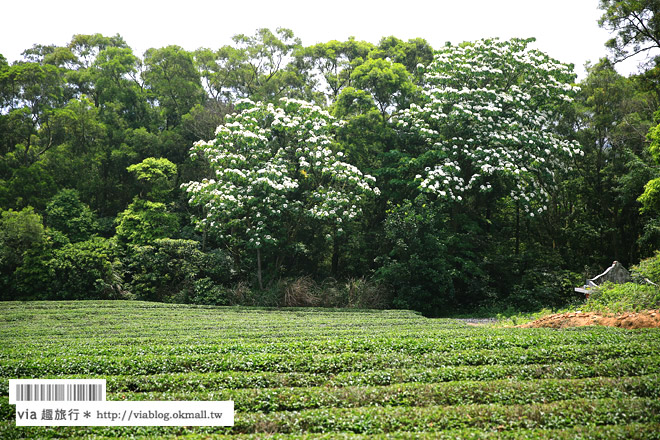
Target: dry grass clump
[300, 292]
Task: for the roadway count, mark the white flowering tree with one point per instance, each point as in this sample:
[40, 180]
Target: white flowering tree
[488, 113]
[275, 169]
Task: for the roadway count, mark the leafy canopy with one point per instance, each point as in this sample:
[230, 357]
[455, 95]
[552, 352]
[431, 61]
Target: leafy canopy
[488, 113]
[274, 168]
[636, 23]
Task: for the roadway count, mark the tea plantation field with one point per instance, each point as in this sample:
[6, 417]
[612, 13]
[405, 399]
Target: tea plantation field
[314, 373]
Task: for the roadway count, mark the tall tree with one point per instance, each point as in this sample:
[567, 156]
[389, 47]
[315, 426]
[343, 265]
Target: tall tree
[85, 49]
[412, 53]
[388, 83]
[173, 81]
[636, 23]
[596, 219]
[488, 156]
[274, 173]
[256, 66]
[487, 116]
[31, 92]
[334, 62]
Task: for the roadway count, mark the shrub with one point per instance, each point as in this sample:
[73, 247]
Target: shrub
[240, 294]
[178, 271]
[299, 292]
[87, 270]
[647, 269]
[418, 267]
[67, 214]
[624, 297]
[19, 231]
[366, 294]
[145, 221]
[635, 296]
[22, 239]
[205, 291]
[540, 288]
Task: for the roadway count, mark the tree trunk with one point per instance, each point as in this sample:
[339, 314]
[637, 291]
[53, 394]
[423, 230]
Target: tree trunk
[204, 233]
[517, 250]
[278, 264]
[261, 284]
[335, 256]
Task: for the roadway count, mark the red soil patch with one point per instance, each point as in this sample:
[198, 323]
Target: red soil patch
[631, 320]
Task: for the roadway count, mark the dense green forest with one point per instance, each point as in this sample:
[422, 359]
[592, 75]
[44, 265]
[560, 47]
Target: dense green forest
[345, 173]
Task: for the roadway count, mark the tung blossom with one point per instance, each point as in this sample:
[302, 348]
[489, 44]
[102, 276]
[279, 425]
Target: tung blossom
[255, 185]
[499, 128]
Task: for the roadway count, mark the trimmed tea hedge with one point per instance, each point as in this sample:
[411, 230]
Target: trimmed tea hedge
[319, 373]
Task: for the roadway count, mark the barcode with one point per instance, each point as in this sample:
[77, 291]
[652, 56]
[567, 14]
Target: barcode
[58, 392]
[79, 392]
[54, 390]
[28, 393]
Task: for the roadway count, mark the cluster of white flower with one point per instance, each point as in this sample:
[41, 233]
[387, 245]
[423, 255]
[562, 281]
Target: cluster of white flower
[276, 164]
[488, 112]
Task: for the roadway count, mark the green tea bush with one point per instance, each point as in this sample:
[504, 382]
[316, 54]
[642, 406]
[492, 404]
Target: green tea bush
[298, 373]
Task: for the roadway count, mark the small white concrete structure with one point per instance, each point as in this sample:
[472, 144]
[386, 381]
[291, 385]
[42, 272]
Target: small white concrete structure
[616, 273]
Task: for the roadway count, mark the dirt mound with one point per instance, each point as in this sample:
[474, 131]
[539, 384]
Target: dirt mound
[644, 319]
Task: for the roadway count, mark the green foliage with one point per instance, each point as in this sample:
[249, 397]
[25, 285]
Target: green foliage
[641, 294]
[647, 269]
[654, 137]
[87, 270]
[650, 198]
[32, 186]
[156, 175]
[19, 231]
[111, 71]
[79, 126]
[636, 24]
[145, 221]
[353, 102]
[69, 215]
[356, 374]
[171, 75]
[411, 53]
[615, 117]
[22, 240]
[418, 267]
[178, 271]
[254, 67]
[628, 297]
[543, 287]
[388, 83]
[33, 278]
[335, 62]
[93, 117]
